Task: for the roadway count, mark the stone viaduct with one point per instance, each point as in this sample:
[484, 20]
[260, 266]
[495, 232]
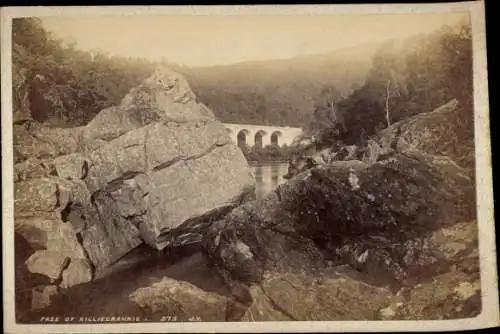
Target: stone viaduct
[261, 135]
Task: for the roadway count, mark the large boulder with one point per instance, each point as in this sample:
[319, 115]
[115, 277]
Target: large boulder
[377, 218]
[398, 213]
[181, 301]
[163, 97]
[155, 169]
[445, 131]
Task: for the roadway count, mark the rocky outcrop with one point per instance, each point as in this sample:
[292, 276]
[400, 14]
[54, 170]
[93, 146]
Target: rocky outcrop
[444, 131]
[339, 210]
[153, 170]
[398, 212]
[394, 221]
[331, 293]
[292, 297]
[189, 291]
[384, 226]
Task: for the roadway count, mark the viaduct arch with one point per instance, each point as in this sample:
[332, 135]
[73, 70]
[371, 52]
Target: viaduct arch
[261, 135]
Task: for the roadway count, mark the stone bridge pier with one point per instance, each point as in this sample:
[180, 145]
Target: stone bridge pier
[261, 135]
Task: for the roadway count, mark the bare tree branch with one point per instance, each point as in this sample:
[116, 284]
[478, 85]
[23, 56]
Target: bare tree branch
[387, 92]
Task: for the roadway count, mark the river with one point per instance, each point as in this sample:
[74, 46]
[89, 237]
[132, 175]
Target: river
[268, 176]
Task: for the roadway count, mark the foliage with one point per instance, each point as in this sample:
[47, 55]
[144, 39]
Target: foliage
[63, 85]
[269, 153]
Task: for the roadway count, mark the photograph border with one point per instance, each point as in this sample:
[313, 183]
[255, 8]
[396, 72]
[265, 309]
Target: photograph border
[489, 316]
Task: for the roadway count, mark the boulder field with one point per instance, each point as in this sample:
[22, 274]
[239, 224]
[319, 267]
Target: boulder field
[382, 231]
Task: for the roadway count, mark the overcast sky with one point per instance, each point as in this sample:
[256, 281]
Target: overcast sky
[211, 40]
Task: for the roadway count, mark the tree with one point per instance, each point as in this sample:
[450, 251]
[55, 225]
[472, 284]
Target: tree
[418, 76]
[388, 92]
[327, 114]
[76, 84]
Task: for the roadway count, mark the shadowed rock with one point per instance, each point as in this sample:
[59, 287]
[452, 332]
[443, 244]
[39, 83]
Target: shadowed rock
[372, 217]
[181, 301]
[135, 174]
[304, 298]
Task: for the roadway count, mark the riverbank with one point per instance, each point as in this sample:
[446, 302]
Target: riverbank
[110, 296]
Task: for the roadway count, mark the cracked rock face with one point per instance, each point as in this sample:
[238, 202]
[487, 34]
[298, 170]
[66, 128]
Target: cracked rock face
[154, 169]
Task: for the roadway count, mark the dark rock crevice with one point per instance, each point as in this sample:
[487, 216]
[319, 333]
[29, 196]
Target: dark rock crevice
[170, 163]
[93, 268]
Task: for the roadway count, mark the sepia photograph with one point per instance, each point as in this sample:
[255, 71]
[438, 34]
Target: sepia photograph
[246, 169]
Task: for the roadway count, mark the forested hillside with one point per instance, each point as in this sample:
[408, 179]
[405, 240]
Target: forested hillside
[409, 78]
[278, 92]
[63, 85]
[362, 89]
[66, 86]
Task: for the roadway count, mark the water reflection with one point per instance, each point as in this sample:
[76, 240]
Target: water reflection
[268, 177]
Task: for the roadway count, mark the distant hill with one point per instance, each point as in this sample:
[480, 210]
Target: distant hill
[280, 91]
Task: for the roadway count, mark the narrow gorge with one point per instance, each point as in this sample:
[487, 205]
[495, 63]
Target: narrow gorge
[150, 210]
